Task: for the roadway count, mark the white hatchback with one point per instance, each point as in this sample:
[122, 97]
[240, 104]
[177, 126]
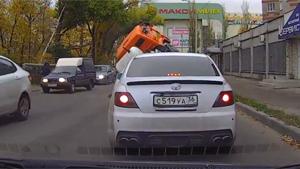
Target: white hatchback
[172, 99]
[14, 90]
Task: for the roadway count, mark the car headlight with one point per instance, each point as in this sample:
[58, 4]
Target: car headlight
[62, 80]
[101, 76]
[45, 80]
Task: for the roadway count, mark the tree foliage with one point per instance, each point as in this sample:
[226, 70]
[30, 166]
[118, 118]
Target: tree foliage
[246, 17]
[25, 27]
[106, 21]
[81, 27]
[58, 50]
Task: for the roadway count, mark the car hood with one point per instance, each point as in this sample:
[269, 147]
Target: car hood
[58, 75]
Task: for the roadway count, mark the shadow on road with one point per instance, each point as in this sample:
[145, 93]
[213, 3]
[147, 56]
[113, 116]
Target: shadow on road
[65, 92]
[4, 120]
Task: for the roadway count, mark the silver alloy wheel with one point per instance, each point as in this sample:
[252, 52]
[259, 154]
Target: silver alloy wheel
[24, 106]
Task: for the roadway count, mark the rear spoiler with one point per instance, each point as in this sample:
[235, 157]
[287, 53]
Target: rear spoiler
[162, 82]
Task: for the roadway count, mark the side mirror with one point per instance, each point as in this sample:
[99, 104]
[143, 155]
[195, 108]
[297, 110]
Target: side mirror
[119, 75]
[78, 71]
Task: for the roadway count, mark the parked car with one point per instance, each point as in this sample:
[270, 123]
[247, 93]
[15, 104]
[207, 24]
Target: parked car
[15, 89]
[70, 73]
[104, 74]
[171, 99]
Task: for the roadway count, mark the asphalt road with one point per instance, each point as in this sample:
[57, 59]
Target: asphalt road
[73, 127]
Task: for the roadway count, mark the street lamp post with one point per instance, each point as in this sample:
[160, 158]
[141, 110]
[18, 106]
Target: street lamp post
[181, 42]
[193, 24]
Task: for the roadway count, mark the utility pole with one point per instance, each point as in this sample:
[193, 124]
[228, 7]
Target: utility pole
[53, 33]
[196, 33]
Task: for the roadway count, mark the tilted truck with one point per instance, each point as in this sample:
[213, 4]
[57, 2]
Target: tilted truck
[144, 38]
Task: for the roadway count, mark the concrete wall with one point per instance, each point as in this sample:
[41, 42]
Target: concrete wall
[266, 52]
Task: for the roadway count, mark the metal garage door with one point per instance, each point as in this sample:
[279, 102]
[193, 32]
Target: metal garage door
[277, 60]
[235, 61]
[246, 60]
[227, 61]
[259, 59]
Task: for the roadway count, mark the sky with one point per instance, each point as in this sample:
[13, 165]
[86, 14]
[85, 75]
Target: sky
[230, 5]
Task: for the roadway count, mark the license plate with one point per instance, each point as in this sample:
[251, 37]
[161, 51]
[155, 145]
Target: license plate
[52, 85]
[175, 101]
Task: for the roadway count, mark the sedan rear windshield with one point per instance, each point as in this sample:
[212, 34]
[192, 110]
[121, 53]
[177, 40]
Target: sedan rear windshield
[171, 65]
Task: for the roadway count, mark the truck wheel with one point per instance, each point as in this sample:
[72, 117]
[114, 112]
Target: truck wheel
[46, 89]
[71, 88]
[22, 112]
[90, 85]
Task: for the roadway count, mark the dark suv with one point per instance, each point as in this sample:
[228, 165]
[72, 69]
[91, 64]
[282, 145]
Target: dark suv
[70, 73]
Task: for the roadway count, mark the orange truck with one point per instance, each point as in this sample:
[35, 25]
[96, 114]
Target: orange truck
[146, 38]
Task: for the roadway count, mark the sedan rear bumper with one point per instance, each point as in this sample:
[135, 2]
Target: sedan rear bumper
[220, 121]
[175, 139]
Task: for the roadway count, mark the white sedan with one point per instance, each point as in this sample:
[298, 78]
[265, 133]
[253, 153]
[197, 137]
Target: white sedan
[172, 99]
[14, 90]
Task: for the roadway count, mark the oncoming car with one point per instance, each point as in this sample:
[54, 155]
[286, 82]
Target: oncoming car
[70, 73]
[104, 74]
[172, 99]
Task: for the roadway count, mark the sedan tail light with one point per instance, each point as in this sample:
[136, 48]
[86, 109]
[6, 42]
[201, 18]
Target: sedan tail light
[124, 99]
[225, 98]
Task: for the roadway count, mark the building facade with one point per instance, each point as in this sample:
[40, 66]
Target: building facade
[268, 51]
[274, 8]
[177, 18]
[288, 5]
[234, 22]
[270, 9]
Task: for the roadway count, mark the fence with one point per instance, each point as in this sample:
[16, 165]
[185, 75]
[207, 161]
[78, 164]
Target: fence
[277, 60]
[35, 71]
[257, 52]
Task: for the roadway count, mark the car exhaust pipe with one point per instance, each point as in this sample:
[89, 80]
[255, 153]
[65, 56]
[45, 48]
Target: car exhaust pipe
[133, 141]
[123, 141]
[226, 139]
[217, 140]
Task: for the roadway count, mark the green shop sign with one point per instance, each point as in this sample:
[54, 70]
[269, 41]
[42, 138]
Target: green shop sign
[182, 10]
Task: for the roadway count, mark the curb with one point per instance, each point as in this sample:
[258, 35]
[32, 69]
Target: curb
[272, 122]
[35, 88]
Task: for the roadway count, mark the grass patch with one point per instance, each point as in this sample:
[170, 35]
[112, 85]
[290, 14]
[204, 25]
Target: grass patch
[289, 119]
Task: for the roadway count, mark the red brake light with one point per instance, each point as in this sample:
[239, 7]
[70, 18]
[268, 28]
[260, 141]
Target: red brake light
[124, 99]
[225, 98]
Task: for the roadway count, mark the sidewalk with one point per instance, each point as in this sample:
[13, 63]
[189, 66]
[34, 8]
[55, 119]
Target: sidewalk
[287, 99]
[35, 88]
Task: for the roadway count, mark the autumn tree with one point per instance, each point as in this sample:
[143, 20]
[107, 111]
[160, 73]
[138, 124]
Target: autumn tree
[246, 17]
[25, 28]
[106, 21]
